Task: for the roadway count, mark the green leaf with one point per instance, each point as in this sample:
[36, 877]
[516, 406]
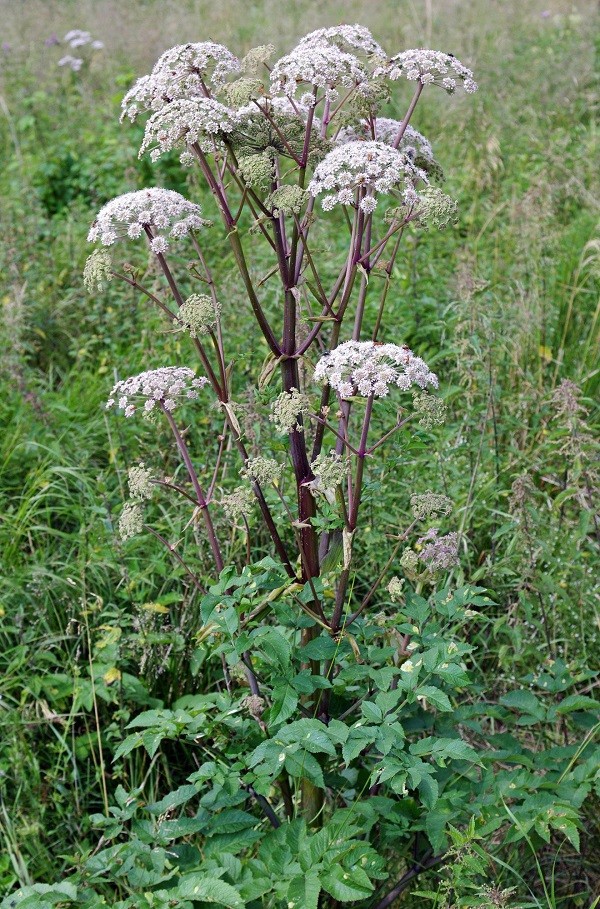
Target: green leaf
[173, 800]
[274, 646]
[285, 701]
[201, 888]
[436, 697]
[358, 738]
[524, 701]
[304, 765]
[303, 891]
[346, 886]
[310, 734]
[577, 702]
[429, 791]
[321, 648]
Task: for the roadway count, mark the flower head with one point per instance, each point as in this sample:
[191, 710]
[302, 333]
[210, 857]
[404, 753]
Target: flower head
[287, 410]
[140, 483]
[330, 470]
[97, 271]
[180, 73]
[430, 505]
[318, 64]
[165, 386]
[355, 36]
[198, 314]
[74, 63]
[429, 68]
[131, 520]
[439, 552]
[373, 167]
[262, 471]
[184, 122]
[365, 368]
[161, 210]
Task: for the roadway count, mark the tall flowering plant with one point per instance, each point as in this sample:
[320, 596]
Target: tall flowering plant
[326, 746]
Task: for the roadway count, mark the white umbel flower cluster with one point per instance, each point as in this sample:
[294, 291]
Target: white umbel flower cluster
[166, 386]
[317, 64]
[183, 123]
[355, 36]
[162, 210]
[372, 166]
[429, 68]
[413, 143]
[180, 73]
[365, 368]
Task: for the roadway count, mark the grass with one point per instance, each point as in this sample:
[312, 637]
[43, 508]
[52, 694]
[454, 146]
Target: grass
[506, 304]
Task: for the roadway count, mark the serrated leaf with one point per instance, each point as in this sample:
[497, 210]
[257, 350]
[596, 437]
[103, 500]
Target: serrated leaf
[285, 701]
[523, 700]
[173, 800]
[436, 697]
[577, 702]
[304, 765]
[201, 888]
[346, 886]
[303, 891]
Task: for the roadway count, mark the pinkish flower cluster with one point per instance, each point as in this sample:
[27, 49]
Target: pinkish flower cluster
[316, 64]
[365, 368]
[165, 386]
[373, 167]
[180, 73]
[356, 37]
[413, 143]
[439, 553]
[158, 210]
[184, 122]
[429, 68]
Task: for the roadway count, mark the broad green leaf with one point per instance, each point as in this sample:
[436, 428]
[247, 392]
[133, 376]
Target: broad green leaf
[285, 701]
[523, 700]
[346, 886]
[302, 764]
[310, 734]
[577, 702]
[303, 891]
[201, 888]
[436, 697]
[173, 800]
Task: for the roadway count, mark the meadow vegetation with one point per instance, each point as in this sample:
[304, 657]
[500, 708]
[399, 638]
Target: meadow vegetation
[503, 306]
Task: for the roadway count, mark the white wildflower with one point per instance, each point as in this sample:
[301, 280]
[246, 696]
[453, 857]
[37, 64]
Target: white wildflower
[160, 210]
[77, 38]
[74, 63]
[183, 122]
[365, 368]
[355, 36]
[180, 73]
[319, 64]
[413, 143]
[429, 67]
[370, 166]
[165, 386]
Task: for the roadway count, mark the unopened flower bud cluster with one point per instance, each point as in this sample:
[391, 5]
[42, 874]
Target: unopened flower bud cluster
[262, 471]
[198, 315]
[439, 553]
[430, 505]
[330, 470]
[97, 271]
[288, 409]
[432, 410]
[237, 503]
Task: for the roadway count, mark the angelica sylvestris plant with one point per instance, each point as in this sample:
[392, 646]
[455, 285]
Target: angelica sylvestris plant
[324, 752]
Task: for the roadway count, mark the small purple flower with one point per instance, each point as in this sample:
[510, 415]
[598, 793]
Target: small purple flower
[545, 14]
[52, 41]
[6, 47]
